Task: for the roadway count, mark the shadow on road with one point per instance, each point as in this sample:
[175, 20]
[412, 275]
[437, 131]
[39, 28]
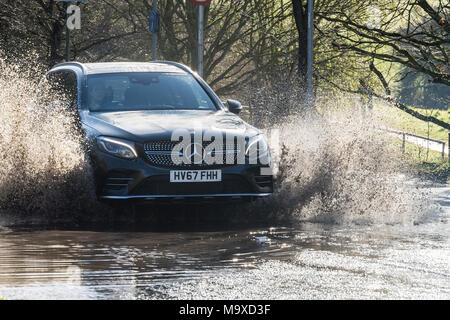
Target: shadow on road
[146, 217]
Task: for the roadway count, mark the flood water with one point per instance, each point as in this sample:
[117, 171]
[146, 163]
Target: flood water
[302, 261]
[355, 225]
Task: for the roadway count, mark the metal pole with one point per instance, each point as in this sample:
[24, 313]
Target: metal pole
[310, 56]
[200, 39]
[67, 33]
[154, 35]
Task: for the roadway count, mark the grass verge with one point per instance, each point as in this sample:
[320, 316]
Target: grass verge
[425, 164]
[400, 120]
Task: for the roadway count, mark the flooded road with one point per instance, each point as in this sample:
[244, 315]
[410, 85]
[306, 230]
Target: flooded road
[305, 261]
[357, 227]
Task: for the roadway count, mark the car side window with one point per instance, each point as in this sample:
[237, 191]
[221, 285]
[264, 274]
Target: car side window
[64, 85]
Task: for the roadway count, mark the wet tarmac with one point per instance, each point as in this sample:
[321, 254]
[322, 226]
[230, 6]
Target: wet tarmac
[301, 261]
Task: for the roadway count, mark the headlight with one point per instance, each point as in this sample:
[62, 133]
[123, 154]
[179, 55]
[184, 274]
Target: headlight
[257, 150]
[117, 147]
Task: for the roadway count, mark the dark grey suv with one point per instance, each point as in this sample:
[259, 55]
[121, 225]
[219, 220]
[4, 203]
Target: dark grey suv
[157, 131]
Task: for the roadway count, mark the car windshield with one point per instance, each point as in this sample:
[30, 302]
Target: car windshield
[145, 91]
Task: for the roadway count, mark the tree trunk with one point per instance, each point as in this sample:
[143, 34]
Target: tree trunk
[57, 18]
[301, 21]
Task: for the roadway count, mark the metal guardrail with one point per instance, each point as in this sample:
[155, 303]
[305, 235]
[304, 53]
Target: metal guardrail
[442, 143]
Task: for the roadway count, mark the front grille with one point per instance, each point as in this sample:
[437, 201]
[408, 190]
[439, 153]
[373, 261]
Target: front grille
[160, 185]
[159, 154]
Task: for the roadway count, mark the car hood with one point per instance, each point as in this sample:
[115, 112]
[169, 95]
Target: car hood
[142, 125]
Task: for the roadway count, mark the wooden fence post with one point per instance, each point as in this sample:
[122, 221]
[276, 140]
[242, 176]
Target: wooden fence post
[443, 151]
[404, 143]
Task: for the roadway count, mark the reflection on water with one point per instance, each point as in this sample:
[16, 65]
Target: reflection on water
[307, 261]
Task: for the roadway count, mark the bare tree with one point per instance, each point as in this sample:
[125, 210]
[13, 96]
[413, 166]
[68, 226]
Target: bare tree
[410, 34]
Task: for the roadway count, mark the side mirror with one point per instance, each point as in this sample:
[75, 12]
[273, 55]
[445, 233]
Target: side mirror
[234, 106]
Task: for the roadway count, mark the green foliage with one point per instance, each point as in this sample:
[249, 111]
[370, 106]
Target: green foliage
[251, 41]
[415, 89]
[404, 122]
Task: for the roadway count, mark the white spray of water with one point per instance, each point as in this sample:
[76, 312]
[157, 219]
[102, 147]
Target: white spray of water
[335, 168]
[44, 169]
[341, 168]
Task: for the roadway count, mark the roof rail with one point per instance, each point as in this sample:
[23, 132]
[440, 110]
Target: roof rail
[71, 63]
[175, 64]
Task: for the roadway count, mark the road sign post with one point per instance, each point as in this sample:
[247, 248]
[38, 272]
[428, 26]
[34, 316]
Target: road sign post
[201, 13]
[201, 16]
[154, 22]
[68, 15]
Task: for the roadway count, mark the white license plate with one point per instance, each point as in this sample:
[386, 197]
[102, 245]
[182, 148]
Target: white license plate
[195, 175]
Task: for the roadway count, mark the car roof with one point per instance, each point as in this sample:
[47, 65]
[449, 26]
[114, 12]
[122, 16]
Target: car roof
[119, 67]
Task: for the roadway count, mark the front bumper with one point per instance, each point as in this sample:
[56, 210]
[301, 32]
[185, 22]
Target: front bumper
[119, 179]
[223, 196]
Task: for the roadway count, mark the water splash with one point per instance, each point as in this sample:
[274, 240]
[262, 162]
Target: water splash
[341, 168]
[44, 169]
[335, 168]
